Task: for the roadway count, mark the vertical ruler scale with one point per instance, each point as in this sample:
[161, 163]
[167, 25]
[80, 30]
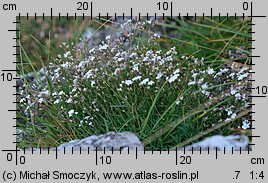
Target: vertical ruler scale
[37, 164]
[259, 68]
[8, 68]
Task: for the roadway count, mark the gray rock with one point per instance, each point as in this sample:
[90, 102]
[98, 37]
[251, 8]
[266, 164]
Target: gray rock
[238, 53]
[220, 142]
[37, 79]
[108, 141]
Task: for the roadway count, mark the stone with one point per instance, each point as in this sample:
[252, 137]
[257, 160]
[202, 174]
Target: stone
[117, 141]
[221, 142]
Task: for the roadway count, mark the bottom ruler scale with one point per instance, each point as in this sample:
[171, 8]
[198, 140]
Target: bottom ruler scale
[128, 166]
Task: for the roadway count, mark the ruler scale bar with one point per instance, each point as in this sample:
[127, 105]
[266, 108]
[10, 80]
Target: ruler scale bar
[177, 160]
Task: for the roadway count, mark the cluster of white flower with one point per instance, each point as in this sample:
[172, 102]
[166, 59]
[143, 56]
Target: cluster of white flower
[72, 112]
[87, 120]
[246, 124]
[114, 69]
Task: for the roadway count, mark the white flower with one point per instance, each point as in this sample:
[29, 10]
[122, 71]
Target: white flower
[204, 86]
[172, 51]
[117, 70]
[136, 78]
[66, 65]
[170, 58]
[158, 52]
[88, 74]
[157, 36]
[173, 78]
[145, 59]
[132, 55]
[69, 100]
[44, 92]
[177, 102]
[233, 116]
[92, 83]
[130, 34]
[22, 100]
[191, 83]
[148, 53]
[117, 54]
[54, 94]
[200, 81]
[92, 50]
[41, 100]
[120, 59]
[74, 89]
[108, 37]
[150, 83]
[80, 124]
[144, 81]
[71, 112]
[176, 71]
[246, 125]
[194, 75]
[233, 92]
[82, 64]
[196, 60]
[158, 58]
[238, 96]
[91, 58]
[103, 47]
[128, 82]
[229, 112]
[159, 75]
[243, 69]
[232, 74]
[224, 70]
[61, 93]
[56, 101]
[136, 68]
[210, 71]
[240, 77]
[66, 54]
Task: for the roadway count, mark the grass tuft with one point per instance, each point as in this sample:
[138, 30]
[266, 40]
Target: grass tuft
[170, 82]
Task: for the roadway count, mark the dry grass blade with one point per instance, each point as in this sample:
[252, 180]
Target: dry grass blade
[173, 124]
[215, 127]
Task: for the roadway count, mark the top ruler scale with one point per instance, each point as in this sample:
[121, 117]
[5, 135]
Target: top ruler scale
[158, 153]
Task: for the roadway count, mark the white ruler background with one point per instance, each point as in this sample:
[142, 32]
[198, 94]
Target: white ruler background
[223, 169]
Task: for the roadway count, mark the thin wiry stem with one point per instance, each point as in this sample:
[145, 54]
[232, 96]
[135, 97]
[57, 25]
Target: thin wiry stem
[215, 127]
[175, 123]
